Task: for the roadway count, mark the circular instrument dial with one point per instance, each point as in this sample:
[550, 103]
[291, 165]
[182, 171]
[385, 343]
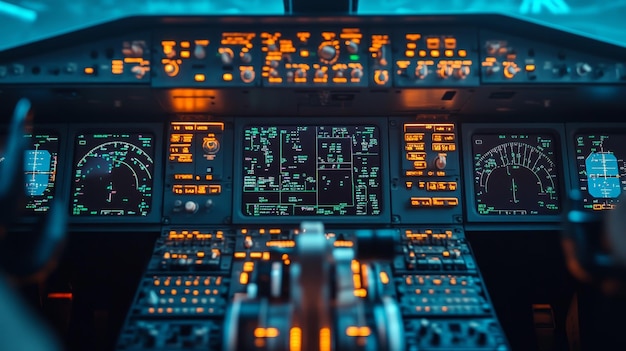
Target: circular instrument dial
[515, 174]
[113, 175]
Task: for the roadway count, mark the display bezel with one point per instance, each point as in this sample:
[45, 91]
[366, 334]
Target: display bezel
[380, 123]
[555, 130]
[572, 129]
[157, 186]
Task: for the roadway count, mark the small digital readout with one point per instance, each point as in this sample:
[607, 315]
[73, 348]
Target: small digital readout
[113, 174]
[601, 167]
[311, 171]
[515, 174]
[40, 164]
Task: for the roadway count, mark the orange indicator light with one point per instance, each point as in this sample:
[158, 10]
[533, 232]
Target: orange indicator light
[199, 77]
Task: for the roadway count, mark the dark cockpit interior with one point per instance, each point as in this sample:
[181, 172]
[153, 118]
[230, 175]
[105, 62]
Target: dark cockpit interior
[298, 175]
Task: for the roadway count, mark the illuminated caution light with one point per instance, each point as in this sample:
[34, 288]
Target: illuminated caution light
[243, 278]
[117, 66]
[343, 243]
[358, 331]
[266, 332]
[325, 339]
[295, 339]
[530, 68]
[199, 77]
[384, 278]
[89, 70]
[281, 243]
[413, 37]
[360, 293]
[227, 77]
[433, 43]
[462, 53]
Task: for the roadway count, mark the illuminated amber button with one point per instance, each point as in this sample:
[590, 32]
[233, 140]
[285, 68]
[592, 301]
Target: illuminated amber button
[415, 147]
[416, 156]
[421, 202]
[438, 137]
[409, 185]
[199, 77]
[227, 77]
[419, 165]
[431, 186]
[442, 186]
[445, 201]
[215, 189]
[452, 186]
[413, 136]
[443, 147]
[530, 68]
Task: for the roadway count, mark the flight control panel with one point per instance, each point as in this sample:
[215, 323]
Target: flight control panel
[244, 144]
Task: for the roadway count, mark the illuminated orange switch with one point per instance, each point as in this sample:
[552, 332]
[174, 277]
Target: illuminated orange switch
[419, 164]
[452, 186]
[421, 202]
[227, 77]
[445, 201]
[416, 156]
[215, 189]
[199, 77]
[409, 185]
[431, 186]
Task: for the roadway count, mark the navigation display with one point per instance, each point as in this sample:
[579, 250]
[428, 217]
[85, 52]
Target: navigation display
[40, 169]
[113, 174]
[311, 171]
[601, 167]
[515, 174]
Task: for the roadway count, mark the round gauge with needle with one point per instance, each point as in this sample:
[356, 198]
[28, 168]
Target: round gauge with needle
[113, 174]
[515, 174]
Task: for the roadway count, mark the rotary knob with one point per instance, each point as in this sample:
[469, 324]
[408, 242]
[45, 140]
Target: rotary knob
[446, 71]
[300, 73]
[339, 74]
[191, 207]
[583, 68]
[357, 73]
[510, 71]
[352, 47]
[247, 75]
[421, 71]
[327, 52]
[441, 162]
[227, 57]
[211, 146]
[320, 74]
[199, 52]
[246, 57]
[463, 72]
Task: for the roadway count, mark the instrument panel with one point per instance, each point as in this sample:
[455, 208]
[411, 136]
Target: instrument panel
[516, 172]
[379, 170]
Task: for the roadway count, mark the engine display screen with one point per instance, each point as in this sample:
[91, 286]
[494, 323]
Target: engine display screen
[601, 166]
[515, 174]
[113, 174]
[40, 165]
[311, 171]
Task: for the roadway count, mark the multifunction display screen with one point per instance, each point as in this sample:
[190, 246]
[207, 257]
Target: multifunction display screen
[40, 164]
[515, 174]
[113, 174]
[311, 171]
[601, 168]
